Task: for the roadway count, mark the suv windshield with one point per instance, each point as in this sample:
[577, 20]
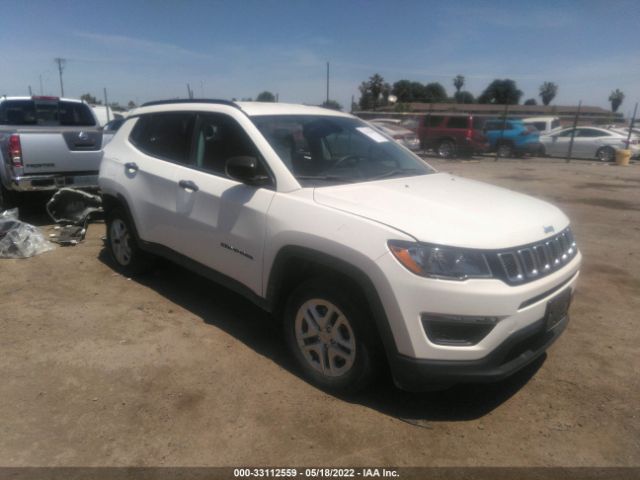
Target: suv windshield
[46, 112]
[321, 148]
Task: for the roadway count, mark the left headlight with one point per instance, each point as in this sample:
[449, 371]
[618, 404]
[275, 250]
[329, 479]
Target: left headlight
[440, 262]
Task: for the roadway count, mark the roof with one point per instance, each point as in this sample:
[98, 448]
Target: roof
[35, 97]
[271, 108]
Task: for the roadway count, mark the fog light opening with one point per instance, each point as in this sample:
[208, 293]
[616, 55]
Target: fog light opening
[454, 330]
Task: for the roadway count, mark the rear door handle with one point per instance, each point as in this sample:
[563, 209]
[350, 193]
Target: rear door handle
[131, 167]
[188, 185]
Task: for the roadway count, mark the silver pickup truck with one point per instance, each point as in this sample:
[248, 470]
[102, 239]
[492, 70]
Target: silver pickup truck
[46, 143]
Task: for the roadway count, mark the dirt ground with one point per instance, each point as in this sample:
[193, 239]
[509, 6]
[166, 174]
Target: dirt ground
[98, 369]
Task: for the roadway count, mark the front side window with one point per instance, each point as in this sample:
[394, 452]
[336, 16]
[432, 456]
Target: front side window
[165, 135]
[458, 122]
[319, 149]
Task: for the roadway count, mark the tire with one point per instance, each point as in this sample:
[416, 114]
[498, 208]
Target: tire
[129, 259]
[446, 149]
[505, 150]
[8, 199]
[330, 336]
[606, 154]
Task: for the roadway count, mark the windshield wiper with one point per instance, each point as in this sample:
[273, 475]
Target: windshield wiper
[396, 171]
[323, 177]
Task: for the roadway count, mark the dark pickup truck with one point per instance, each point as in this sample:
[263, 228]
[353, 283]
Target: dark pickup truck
[46, 143]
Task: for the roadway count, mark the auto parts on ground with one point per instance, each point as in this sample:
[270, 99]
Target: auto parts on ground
[75, 209]
[67, 235]
[19, 239]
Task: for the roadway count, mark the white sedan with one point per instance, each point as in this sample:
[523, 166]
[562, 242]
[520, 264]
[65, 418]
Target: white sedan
[588, 142]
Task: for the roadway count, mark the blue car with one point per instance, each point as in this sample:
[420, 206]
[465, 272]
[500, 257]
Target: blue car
[512, 137]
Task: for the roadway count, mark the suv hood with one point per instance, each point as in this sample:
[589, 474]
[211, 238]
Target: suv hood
[447, 210]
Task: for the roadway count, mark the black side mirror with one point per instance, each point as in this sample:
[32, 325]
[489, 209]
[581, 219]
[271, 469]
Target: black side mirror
[246, 169]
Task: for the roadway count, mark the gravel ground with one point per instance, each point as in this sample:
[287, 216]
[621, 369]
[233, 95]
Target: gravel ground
[170, 369]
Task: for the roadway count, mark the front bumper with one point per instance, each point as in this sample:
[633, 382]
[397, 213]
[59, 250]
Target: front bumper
[54, 181]
[515, 353]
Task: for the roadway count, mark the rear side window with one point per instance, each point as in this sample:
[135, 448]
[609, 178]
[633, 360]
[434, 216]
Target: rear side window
[458, 122]
[46, 113]
[541, 126]
[555, 124]
[165, 135]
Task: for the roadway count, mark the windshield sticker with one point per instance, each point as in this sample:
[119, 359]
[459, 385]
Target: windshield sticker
[372, 134]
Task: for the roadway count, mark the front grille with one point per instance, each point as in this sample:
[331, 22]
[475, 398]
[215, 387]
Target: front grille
[534, 261]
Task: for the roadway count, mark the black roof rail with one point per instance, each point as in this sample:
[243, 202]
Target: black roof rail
[190, 100]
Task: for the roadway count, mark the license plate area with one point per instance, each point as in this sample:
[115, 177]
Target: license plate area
[557, 309]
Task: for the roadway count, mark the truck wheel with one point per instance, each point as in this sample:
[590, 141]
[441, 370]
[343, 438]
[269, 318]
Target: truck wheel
[327, 333]
[8, 199]
[505, 150]
[446, 149]
[122, 246]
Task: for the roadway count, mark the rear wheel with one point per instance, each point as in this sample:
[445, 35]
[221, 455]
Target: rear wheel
[122, 245]
[329, 335]
[8, 199]
[446, 149]
[606, 154]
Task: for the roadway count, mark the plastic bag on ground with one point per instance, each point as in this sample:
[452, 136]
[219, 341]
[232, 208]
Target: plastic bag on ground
[19, 239]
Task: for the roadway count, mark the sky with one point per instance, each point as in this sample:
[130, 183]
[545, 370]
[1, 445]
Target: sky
[144, 50]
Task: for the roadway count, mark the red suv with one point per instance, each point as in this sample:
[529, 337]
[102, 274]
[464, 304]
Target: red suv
[451, 135]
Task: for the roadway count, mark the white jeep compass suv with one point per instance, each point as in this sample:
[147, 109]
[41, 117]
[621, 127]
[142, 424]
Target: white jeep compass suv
[366, 253]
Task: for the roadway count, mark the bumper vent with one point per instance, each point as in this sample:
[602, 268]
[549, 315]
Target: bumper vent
[537, 260]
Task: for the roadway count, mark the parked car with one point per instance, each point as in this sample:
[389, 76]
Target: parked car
[588, 142]
[452, 135]
[512, 137]
[544, 125]
[365, 252]
[46, 143]
[400, 134]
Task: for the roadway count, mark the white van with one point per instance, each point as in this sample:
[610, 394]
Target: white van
[543, 124]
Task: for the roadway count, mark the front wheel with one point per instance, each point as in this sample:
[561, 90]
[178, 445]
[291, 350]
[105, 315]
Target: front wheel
[606, 154]
[329, 335]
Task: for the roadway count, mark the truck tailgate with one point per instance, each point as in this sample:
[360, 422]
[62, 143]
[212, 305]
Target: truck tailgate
[58, 150]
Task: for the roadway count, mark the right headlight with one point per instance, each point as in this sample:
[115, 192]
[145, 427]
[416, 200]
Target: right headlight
[440, 262]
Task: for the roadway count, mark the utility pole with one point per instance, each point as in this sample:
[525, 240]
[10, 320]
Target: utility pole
[30, 92]
[327, 82]
[61, 63]
[40, 77]
[573, 131]
[106, 104]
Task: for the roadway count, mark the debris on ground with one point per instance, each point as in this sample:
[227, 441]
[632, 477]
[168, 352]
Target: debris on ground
[19, 239]
[75, 209]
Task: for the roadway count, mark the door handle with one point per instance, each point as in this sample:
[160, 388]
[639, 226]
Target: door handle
[131, 167]
[188, 185]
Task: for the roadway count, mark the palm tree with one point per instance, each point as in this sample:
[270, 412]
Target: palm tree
[458, 82]
[616, 99]
[548, 91]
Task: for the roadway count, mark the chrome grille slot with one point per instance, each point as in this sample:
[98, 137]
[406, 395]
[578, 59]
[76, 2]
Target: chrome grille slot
[530, 262]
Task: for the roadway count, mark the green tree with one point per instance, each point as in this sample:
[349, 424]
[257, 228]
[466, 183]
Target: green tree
[403, 90]
[332, 104]
[435, 92]
[374, 93]
[87, 97]
[458, 83]
[616, 98]
[131, 104]
[548, 91]
[464, 97]
[502, 92]
[530, 101]
[266, 96]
